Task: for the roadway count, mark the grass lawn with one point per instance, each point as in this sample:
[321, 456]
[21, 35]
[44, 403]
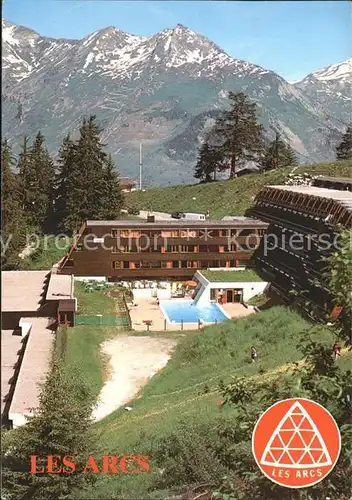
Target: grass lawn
[226, 197]
[95, 302]
[247, 275]
[51, 249]
[187, 389]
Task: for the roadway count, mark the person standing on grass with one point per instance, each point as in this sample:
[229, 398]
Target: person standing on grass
[336, 350]
[253, 354]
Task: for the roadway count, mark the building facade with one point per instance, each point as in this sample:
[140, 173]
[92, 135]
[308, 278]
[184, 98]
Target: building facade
[304, 223]
[170, 249]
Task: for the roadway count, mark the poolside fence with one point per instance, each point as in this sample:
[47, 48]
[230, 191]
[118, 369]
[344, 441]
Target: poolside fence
[100, 320]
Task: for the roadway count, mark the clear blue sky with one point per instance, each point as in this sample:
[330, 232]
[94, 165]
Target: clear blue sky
[292, 38]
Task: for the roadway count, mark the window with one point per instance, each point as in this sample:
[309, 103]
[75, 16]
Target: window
[247, 246]
[126, 264]
[124, 233]
[116, 264]
[246, 232]
[184, 263]
[233, 248]
[174, 248]
[186, 248]
[192, 263]
[114, 233]
[164, 264]
[203, 248]
[232, 263]
[212, 294]
[175, 264]
[155, 249]
[155, 265]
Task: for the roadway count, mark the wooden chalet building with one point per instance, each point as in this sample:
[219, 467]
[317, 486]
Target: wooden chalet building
[170, 249]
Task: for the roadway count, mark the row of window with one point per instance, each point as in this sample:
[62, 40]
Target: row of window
[185, 248]
[176, 264]
[184, 233]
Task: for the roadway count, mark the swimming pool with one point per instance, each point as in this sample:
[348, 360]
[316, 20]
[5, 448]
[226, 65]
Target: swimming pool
[177, 310]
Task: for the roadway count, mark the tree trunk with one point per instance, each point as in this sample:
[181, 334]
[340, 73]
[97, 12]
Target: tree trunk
[233, 167]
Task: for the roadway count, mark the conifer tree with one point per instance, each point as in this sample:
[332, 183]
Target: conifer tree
[279, 154]
[112, 200]
[45, 174]
[59, 427]
[208, 162]
[13, 224]
[344, 149]
[36, 175]
[87, 195]
[65, 167]
[241, 134]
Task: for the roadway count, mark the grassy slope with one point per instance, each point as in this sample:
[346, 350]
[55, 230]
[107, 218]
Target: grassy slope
[187, 389]
[226, 197]
[51, 249]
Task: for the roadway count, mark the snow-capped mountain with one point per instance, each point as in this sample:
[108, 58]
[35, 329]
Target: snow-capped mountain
[163, 90]
[331, 89]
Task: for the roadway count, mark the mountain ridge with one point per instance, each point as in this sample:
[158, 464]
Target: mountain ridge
[163, 90]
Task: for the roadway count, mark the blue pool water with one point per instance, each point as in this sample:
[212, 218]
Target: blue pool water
[184, 310]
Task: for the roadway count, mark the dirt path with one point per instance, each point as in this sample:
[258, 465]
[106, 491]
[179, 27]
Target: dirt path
[133, 361]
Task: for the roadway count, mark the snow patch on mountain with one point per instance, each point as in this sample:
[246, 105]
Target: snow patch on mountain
[335, 71]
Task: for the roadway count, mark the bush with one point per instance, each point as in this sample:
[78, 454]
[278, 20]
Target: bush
[187, 456]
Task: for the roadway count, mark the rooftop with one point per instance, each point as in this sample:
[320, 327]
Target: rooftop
[223, 276]
[234, 222]
[60, 287]
[23, 290]
[35, 364]
[11, 345]
[331, 194]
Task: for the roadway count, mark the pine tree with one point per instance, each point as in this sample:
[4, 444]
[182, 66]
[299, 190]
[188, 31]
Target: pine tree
[278, 154]
[59, 427]
[241, 134]
[344, 149]
[112, 200]
[44, 175]
[209, 159]
[36, 175]
[65, 168]
[87, 196]
[13, 224]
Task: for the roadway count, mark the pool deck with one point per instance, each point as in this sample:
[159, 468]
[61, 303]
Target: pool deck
[148, 309]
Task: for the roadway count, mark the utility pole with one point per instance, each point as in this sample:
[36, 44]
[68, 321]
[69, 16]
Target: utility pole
[140, 166]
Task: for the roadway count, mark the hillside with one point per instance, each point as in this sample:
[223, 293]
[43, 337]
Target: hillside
[179, 405]
[163, 90]
[226, 197]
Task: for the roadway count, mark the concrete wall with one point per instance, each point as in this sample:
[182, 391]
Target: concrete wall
[250, 289]
[148, 293]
